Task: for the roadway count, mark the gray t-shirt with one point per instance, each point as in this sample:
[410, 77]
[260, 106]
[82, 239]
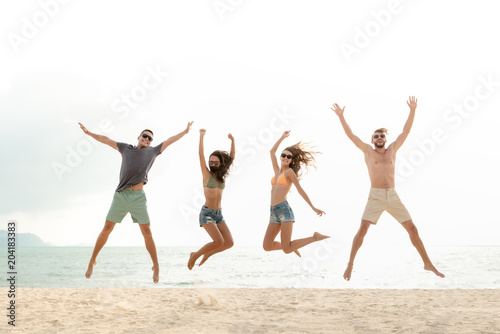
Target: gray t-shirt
[136, 163]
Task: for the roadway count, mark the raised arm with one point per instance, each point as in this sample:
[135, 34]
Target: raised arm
[290, 174]
[355, 139]
[175, 138]
[273, 150]
[201, 153]
[99, 138]
[412, 103]
[233, 149]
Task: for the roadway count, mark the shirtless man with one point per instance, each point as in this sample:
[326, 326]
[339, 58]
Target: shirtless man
[383, 197]
[129, 195]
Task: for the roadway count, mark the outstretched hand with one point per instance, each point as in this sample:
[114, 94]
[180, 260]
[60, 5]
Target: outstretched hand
[189, 127]
[84, 129]
[412, 102]
[336, 108]
[203, 132]
[319, 212]
[230, 136]
[285, 134]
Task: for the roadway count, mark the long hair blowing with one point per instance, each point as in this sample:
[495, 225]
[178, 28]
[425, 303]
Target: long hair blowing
[302, 157]
[225, 162]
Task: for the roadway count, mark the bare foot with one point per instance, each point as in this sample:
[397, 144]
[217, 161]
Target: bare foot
[191, 261]
[348, 272]
[90, 269]
[205, 257]
[318, 236]
[297, 252]
[156, 274]
[431, 267]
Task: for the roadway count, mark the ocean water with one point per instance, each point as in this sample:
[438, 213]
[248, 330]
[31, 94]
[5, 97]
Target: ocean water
[321, 266]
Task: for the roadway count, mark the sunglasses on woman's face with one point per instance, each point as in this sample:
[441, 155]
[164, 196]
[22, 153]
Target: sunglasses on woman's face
[213, 163]
[288, 156]
[148, 137]
[376, 136]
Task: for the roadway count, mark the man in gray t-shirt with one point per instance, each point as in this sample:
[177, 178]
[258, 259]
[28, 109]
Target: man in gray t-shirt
[129, 196]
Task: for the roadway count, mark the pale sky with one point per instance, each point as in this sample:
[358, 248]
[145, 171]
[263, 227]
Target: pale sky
[253, 69]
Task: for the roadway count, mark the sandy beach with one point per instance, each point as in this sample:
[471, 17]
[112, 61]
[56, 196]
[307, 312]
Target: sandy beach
[87, 310]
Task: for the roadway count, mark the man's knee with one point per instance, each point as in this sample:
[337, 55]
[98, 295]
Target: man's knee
[146, 230]
[410, 227]
[363, 228]
[362, 231]
[108, 226]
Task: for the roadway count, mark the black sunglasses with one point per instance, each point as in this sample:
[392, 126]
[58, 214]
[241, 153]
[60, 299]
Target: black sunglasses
[376, 136]
[213, 163]
[288, 156]
[146, 136]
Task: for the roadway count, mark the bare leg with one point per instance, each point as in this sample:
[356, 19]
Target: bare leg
[101, 241]
[356, 244]
[228, 242]
[269, 244]
[151, 247]
[419, 245]
[269, 239]
[289, 246]
[218, 241]
[272, 231]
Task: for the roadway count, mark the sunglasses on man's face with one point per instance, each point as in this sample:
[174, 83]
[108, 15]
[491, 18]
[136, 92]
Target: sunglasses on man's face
[148, 137]
[376, 136]
[288, 156]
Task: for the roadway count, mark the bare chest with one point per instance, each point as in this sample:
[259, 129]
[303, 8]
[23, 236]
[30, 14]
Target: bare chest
[378, 160]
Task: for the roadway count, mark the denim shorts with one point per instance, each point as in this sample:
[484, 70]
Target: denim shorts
[209, 215]
[281, 212]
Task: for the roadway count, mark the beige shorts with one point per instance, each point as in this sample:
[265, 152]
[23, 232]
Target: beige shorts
[381, 200]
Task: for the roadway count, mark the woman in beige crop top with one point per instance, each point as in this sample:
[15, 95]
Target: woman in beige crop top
[211, 218]
[292, 159]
